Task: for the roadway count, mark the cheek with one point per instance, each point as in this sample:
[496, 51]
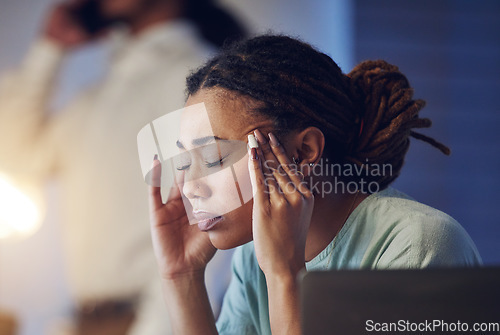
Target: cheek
[243, 178]
[230, 187]
[236, 230]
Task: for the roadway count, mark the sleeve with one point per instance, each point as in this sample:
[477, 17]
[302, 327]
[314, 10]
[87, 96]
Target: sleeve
[25, 130]
[429, 241]
[235, 317]
[152, 315]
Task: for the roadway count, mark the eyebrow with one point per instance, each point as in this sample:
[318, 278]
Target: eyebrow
[201, 141]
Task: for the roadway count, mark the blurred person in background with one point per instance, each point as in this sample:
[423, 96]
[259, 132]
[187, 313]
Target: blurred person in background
[90, 145]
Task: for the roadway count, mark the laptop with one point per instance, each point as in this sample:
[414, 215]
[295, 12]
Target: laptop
[429, 301]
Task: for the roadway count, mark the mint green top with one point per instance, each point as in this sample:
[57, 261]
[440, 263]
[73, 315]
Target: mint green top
[387, 230]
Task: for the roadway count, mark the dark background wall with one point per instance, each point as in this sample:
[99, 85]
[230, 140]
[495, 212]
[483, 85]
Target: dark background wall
[450, 51]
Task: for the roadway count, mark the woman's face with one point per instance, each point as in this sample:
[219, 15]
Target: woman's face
[212, 171]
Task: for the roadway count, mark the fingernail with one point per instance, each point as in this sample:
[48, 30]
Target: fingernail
[252, 142]
[273, 140]
[155, 162]
[260, 137]
[253, 154]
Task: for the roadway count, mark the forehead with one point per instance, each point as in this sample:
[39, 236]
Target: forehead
[228, 115]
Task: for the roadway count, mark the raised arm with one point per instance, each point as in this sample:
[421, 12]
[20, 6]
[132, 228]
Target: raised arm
[182, 252]
[25, 96]
[282, 212]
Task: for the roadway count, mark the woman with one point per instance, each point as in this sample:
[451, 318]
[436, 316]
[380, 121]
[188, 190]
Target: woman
[328, 147]
[159, 43]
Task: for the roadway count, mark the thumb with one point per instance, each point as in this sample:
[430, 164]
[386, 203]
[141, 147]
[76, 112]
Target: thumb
[257, 179]
[155, 187]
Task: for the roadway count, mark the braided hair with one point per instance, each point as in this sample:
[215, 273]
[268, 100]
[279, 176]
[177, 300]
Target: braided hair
[365, 116]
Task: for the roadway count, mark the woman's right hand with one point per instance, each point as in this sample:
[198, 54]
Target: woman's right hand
[180, 248]
[61, 28]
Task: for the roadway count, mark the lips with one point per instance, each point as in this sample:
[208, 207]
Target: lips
[206, 220]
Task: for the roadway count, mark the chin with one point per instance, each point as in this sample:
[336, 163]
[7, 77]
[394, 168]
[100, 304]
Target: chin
[223, 242]
[231, 234]
[235, 230]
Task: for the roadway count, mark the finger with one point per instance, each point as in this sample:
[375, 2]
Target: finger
[285, 184]
[257, 178]
[267, 166]
[287, 181]
[295, 176]
[288, 189]
[279, 176]
[155, 200]
[274, 179]
[271, 163]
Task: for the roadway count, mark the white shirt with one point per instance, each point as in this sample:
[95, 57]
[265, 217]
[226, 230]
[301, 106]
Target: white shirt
[91, 147]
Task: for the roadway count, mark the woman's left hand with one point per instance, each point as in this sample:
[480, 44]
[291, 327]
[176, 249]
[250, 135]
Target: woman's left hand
[282, 209]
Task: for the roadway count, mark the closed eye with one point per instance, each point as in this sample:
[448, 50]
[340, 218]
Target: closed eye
[184, 167]
[182, 161]
[217, 162]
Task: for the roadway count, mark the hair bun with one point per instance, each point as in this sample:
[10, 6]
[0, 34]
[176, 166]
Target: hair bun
[389, 114]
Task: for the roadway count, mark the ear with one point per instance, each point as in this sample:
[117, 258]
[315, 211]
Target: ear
[310, 144]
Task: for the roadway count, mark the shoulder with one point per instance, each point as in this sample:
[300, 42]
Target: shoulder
[413, 234]
[397, 209]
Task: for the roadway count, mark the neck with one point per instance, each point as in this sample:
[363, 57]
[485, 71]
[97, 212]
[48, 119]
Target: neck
[329, 216]
[163, 12]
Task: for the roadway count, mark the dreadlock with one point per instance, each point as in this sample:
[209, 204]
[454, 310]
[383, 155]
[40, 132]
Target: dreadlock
[365, 116]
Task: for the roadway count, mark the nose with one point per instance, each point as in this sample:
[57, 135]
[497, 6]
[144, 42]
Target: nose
[195, 184]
